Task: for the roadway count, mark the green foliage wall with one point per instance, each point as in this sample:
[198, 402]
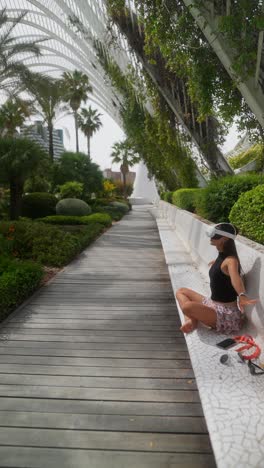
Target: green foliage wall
[154, 138]
[215, 202]
[185, 199]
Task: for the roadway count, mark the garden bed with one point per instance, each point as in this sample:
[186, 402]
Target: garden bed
[32, 252]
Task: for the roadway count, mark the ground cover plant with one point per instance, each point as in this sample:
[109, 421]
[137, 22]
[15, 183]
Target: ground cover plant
[18, 279]
[28, 246]
[47, 244]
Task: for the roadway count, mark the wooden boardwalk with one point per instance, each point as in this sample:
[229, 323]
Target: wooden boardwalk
[93, 370]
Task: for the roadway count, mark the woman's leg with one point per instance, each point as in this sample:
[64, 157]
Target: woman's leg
[191, 304]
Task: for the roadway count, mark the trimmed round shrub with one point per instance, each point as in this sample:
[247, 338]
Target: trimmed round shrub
[38, 205]
[185, 198]
[221, 194]
[120, 206]
[72, 207]
[248, 214]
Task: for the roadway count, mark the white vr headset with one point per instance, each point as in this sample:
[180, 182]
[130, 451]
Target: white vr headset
[211, 232]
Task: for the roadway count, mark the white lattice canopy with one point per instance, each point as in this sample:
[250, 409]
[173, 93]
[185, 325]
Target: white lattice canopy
[67, 29]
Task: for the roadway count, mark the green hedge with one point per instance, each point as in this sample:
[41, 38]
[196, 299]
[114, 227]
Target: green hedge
[166, 196]
[216, 200]
[100, 218]
[38, 204]
[248, 214]
[185, 198]
[49, 245]
[115, 213]
[17, 282]
[255, 153]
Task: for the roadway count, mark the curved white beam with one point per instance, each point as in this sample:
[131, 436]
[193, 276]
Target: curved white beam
[97, 79]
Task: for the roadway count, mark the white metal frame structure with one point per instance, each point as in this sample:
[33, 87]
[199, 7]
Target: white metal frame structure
[66, 47]
[68, 29]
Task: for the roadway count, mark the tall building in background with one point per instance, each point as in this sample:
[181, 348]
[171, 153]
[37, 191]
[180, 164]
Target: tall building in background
[117, 176]
[39, 133]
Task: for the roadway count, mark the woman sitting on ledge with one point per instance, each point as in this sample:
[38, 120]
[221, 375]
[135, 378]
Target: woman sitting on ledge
[224, 309]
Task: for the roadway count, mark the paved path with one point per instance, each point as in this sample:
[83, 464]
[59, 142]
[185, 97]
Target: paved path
[93, 370]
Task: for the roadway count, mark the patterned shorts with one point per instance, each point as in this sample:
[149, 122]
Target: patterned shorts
[228, 318]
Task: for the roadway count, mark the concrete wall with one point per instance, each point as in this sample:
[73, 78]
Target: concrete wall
[192, 231]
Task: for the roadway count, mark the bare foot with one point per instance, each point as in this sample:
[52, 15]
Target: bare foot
[189, 326]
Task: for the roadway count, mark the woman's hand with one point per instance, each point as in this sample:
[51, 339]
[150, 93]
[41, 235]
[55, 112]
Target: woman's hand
[243, 301]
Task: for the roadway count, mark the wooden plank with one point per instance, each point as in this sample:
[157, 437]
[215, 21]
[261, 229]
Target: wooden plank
[21, 457]
[99, 407]
[91, 325]
[148, 442]
[153, 424]
[96, 371]
[170, 347]
[116, 324]
[107, 353]
[88, 338]
[96, 362]
[156, 319]
[77, 331]
[99, 382]
[116, 394]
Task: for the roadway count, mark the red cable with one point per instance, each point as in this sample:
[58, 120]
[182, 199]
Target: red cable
[250, 342]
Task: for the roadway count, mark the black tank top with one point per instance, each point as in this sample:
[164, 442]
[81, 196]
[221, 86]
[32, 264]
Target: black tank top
[221, 286]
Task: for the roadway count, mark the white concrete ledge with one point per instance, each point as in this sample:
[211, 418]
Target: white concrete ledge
[232, 399]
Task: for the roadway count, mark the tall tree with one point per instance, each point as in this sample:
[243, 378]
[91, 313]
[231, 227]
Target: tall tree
[11, 68]
[48, 95]
[89, 123]
[19, 158]
[13, 114]
[78, 167]
[77, 87]
[123, 153]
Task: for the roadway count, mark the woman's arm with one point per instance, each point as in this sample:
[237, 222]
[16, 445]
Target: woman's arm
[236, 280]
[238, 284]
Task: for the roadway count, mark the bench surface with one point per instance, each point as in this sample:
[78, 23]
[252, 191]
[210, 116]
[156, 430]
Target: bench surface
[93, 370]
[232, 398]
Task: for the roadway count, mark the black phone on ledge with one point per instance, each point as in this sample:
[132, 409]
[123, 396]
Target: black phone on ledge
[225, 344]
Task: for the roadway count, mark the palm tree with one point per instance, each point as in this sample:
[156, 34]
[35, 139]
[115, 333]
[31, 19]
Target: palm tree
[76, 85]
[11, 68]
[13, 114]
[48, 95]
[89, 123]
[19, 158]
[123, 153]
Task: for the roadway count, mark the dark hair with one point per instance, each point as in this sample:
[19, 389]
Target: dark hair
[229, 247]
